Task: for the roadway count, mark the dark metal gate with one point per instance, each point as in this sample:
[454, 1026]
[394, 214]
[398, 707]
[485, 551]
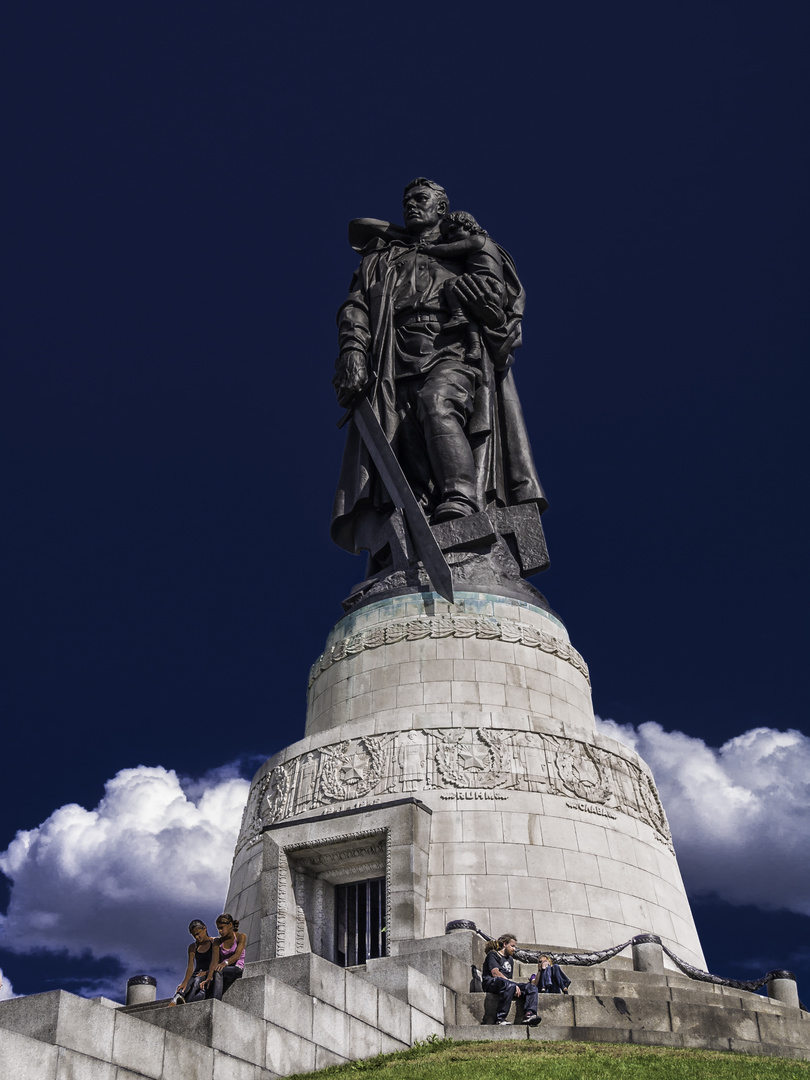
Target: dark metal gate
[360, 929]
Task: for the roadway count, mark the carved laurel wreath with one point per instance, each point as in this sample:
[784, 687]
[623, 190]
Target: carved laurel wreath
[486, 627]
[579, 783]
[338, 757]
[451, 770]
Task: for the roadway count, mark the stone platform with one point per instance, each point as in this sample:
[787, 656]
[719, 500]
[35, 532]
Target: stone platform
[452, 750]
[299, 1013]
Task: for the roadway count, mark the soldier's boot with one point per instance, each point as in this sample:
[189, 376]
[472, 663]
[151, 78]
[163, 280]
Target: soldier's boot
[453, 469]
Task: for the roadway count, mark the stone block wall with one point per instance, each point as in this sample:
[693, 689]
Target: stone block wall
[480, 712]
[413, 655]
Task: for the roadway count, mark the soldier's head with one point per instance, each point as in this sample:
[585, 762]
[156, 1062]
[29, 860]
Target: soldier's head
[424, 204]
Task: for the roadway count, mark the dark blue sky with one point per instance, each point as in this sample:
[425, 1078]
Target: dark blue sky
[178, 182]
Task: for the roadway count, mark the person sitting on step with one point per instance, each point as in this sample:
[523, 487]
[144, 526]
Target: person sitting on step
[231, 957]
[551, 979]
[203, 955]
[497, 979]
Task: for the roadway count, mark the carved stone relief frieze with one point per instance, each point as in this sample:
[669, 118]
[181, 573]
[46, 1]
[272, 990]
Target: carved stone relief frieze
[308, 783]
[531, 751]
[461, 760]
[410, 761]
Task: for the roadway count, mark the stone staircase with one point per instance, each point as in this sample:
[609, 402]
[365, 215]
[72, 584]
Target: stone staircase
[293, 1014]
[614, 1003]
[434, 978]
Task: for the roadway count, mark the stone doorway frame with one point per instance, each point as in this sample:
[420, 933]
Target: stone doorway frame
[303, 861]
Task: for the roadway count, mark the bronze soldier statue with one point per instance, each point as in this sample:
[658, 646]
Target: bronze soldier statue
[427, 336]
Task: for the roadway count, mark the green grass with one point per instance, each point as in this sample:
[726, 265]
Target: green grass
[532, 1059]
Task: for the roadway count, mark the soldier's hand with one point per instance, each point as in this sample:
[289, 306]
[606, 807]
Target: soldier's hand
[481, 299]
[351, 375]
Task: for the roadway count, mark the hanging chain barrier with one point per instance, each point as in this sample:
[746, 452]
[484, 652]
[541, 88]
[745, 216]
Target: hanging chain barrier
[588, 959]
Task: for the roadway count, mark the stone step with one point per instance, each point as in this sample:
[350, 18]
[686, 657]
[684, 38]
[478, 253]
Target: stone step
[569, 1033]
[373, 984]
[146, 1006]
[643, 1037]
[480, 1007]
[727, 1023]
[625, 982]
[592, 1010]
[397, 975]
[640, 1037]
[495, 1033]
[603, 973]
[672, 990]
[408, 1007]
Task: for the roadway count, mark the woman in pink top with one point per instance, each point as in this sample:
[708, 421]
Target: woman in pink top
[231, 945]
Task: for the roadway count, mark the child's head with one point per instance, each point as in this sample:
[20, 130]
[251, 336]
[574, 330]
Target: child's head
[198, 929]
[458, 224]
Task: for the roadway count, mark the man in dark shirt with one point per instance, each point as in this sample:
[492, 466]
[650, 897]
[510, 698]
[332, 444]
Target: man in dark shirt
[497, 979]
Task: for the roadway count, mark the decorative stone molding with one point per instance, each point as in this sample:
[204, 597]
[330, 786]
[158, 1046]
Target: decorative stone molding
[466, 762]
[485, 627]
[340, 861]
[283, 889]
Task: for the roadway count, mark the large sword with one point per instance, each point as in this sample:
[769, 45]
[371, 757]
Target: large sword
[397, 486]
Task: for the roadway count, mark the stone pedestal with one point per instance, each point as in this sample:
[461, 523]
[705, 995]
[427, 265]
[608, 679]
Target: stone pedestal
[141, 989]
[452, 750]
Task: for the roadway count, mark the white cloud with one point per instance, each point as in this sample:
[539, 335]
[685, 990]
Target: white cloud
[6, 990]
[124, 880]
[740, 814]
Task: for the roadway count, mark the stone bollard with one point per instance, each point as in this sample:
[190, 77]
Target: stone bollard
[782, 988]
[647, 954]
[141, 989]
